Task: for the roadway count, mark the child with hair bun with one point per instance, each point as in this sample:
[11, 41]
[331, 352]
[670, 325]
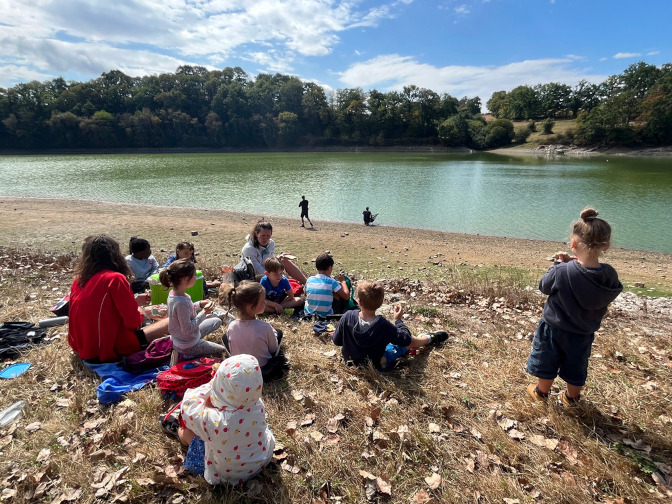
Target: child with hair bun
[185, 326]
[226, 431]
[579, 290]
[246, 334]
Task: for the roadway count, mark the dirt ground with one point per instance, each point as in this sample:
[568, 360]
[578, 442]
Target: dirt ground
[61, 225]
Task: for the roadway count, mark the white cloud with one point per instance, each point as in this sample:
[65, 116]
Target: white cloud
[652, 53]
[462, 9]
[53, 36]
[392, 72]
[625, 55]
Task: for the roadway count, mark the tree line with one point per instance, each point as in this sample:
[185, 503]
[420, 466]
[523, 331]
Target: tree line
[196, 107]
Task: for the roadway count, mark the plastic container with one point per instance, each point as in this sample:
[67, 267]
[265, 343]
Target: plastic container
[14, 412]
[54, 321]
[227, 274]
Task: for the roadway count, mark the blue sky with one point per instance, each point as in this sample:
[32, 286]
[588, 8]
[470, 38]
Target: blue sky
[462, 47]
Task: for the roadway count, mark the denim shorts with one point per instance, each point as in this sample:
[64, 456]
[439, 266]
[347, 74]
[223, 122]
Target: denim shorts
[194, 461]
[560, 353]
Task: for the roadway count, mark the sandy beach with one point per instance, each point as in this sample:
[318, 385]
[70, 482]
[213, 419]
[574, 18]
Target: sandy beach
[61, 225]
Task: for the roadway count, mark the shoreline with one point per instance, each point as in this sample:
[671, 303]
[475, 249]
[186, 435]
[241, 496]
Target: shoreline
[541, 150]
[60, 225]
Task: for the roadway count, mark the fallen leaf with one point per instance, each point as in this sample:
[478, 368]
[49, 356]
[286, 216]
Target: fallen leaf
[290, 468]
[331, 353]
[297, 395]
[62, 402]
[333, 439]
[569, 452]
[374, 413]
[475, 432]
[139, 457]
[434, 428]
[380, 439]
[145, 481]
[366, 475]
[511, 501]
[516, 434]
[44, 454]
[33, 427]
[317, 436]
[5, 441]
[421, 497]
[308, 420]
[384, 486]
[433, 481]
[291, 427]
[7, 493]
[470, 465]
[332, 425]
[506, 423]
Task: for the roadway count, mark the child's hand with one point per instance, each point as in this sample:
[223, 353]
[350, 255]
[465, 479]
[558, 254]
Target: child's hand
[207, 305]
[398, 311]
[143, 299]
[562, 257]
[340, 277]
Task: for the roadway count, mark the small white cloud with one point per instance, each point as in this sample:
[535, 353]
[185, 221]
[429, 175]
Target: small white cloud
[652, 53]
[625, 55]
[604, 59]
[462, 9]
[358, 53]
[574, 57]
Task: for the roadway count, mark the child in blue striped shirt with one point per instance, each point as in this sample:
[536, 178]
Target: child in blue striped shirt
[321, 288]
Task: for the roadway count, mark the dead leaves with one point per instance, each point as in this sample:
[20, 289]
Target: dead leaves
[433, 481]
[375, 484]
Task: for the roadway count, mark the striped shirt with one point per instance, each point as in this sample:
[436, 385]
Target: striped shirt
[320, 294]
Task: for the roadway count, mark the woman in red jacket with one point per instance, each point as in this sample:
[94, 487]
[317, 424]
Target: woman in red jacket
[105, 319]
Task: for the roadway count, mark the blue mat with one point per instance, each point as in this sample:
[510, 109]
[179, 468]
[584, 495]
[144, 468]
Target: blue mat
[117, 381]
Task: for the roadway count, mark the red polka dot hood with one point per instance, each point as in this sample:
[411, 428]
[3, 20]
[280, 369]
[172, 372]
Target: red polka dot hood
[229, 416]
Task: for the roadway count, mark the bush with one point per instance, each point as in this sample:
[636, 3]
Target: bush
[521, 135]
[547, 126]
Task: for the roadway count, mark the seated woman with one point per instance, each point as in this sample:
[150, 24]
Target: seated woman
[259, 246]
[105, 319]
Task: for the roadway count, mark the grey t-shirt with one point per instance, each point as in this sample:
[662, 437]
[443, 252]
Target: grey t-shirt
[183, 321]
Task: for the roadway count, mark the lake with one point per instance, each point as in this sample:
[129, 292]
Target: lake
[487, 194]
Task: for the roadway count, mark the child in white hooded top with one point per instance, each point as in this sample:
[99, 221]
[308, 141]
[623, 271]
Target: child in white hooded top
[226, 422]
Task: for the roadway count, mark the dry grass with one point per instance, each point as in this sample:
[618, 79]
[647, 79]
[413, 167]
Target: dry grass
[438, 413]
[454, 411]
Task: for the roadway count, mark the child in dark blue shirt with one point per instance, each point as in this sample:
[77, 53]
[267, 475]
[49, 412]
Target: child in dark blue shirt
[579, 291]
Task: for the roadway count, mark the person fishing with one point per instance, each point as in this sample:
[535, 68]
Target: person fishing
[368, 216]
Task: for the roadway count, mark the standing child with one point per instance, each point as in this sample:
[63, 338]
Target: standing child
[246, 334]
[279, 293]
[226, 431]
[365, 336]
[579, 291]
[142, 263]
[321, 288]
[185, 326]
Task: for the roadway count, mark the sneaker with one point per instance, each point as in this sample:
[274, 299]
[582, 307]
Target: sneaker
[170, 424]
[303, 225]
[534, 393]
[569, 402]
[437, 337]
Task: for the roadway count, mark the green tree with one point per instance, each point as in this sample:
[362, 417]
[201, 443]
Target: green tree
[498, 103]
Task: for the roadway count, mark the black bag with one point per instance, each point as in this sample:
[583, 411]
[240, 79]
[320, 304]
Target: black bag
[244, 270]
[18, 336]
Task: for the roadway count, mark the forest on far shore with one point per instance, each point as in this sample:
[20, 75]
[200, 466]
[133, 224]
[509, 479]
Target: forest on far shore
[200, 108]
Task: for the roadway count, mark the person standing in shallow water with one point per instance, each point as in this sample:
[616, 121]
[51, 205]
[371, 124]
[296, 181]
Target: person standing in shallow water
[367, 216]
[303, 204]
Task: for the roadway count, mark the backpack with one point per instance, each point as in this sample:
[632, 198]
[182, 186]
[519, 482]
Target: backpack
[340, 306]
[244, 270]
[185, 375]
[156, 354]
[18, 336]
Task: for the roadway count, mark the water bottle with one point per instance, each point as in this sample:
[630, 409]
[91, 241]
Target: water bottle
[54, 321]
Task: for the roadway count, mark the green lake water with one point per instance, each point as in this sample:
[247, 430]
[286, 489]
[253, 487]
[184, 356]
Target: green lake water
[471, 193]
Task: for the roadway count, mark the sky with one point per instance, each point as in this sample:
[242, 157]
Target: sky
[461, 47]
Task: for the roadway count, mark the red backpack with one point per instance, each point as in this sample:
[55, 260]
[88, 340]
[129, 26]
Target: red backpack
[185, 375]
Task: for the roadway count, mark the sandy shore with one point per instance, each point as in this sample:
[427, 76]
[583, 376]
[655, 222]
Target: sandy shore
[61, 225]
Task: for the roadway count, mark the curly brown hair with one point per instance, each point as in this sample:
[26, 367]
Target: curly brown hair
[100, 253]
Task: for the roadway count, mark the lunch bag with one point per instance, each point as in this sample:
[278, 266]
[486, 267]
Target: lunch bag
[244, 270]
[156, 354]
[18, 336]
[185, 375]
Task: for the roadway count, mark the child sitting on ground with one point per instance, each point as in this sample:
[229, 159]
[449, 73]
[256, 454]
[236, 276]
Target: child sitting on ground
[246, 334]
[579, 291]
[279, 294]
[185, 250]
[321, 288]
[226, 431]
[185, 326]
[365, 336]
[142, 263]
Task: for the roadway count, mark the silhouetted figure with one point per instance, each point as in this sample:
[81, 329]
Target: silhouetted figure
[304, 211]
